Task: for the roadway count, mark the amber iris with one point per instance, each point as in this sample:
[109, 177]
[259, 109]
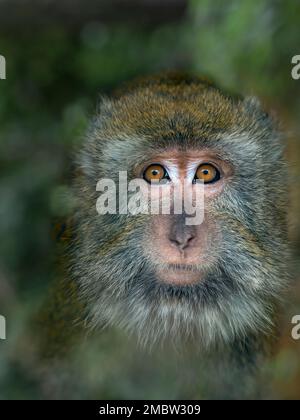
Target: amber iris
[207, 173]
[154, 173]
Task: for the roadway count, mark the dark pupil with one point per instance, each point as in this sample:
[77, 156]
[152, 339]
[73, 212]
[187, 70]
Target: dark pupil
[155, 172]
[205, 171]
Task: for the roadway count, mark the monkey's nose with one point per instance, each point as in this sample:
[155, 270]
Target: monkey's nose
[181, 240]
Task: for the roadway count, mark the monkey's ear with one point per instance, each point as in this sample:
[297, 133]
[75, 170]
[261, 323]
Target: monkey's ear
[253, 105]
[252, 102]
[104, 107]
[87, 159]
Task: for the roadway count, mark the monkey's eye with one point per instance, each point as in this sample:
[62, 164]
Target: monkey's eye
[155, 172]
[207, 173]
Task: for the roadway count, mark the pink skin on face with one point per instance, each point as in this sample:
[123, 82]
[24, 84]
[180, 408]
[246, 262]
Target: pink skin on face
[182, 254]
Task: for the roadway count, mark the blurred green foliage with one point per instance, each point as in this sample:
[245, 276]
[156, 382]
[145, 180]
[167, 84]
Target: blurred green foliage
[54, 78]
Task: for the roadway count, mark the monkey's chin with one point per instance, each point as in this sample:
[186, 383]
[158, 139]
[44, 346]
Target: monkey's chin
[180, 276]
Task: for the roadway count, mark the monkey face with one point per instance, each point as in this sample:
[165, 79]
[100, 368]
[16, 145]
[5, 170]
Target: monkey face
[154, 275]
[182, 253]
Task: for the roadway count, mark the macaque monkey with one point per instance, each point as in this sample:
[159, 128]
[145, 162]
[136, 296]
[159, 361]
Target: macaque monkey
[214, 287]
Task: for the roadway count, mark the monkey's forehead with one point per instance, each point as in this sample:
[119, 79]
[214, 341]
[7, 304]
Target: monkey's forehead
[189, 110]
[176, 106]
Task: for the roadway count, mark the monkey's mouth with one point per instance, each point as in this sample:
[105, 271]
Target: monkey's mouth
[180, 274]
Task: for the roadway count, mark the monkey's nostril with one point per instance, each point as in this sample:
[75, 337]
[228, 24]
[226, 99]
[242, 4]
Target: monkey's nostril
[182, 242]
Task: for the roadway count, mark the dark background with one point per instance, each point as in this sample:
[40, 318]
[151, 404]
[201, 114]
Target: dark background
[61, 55]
